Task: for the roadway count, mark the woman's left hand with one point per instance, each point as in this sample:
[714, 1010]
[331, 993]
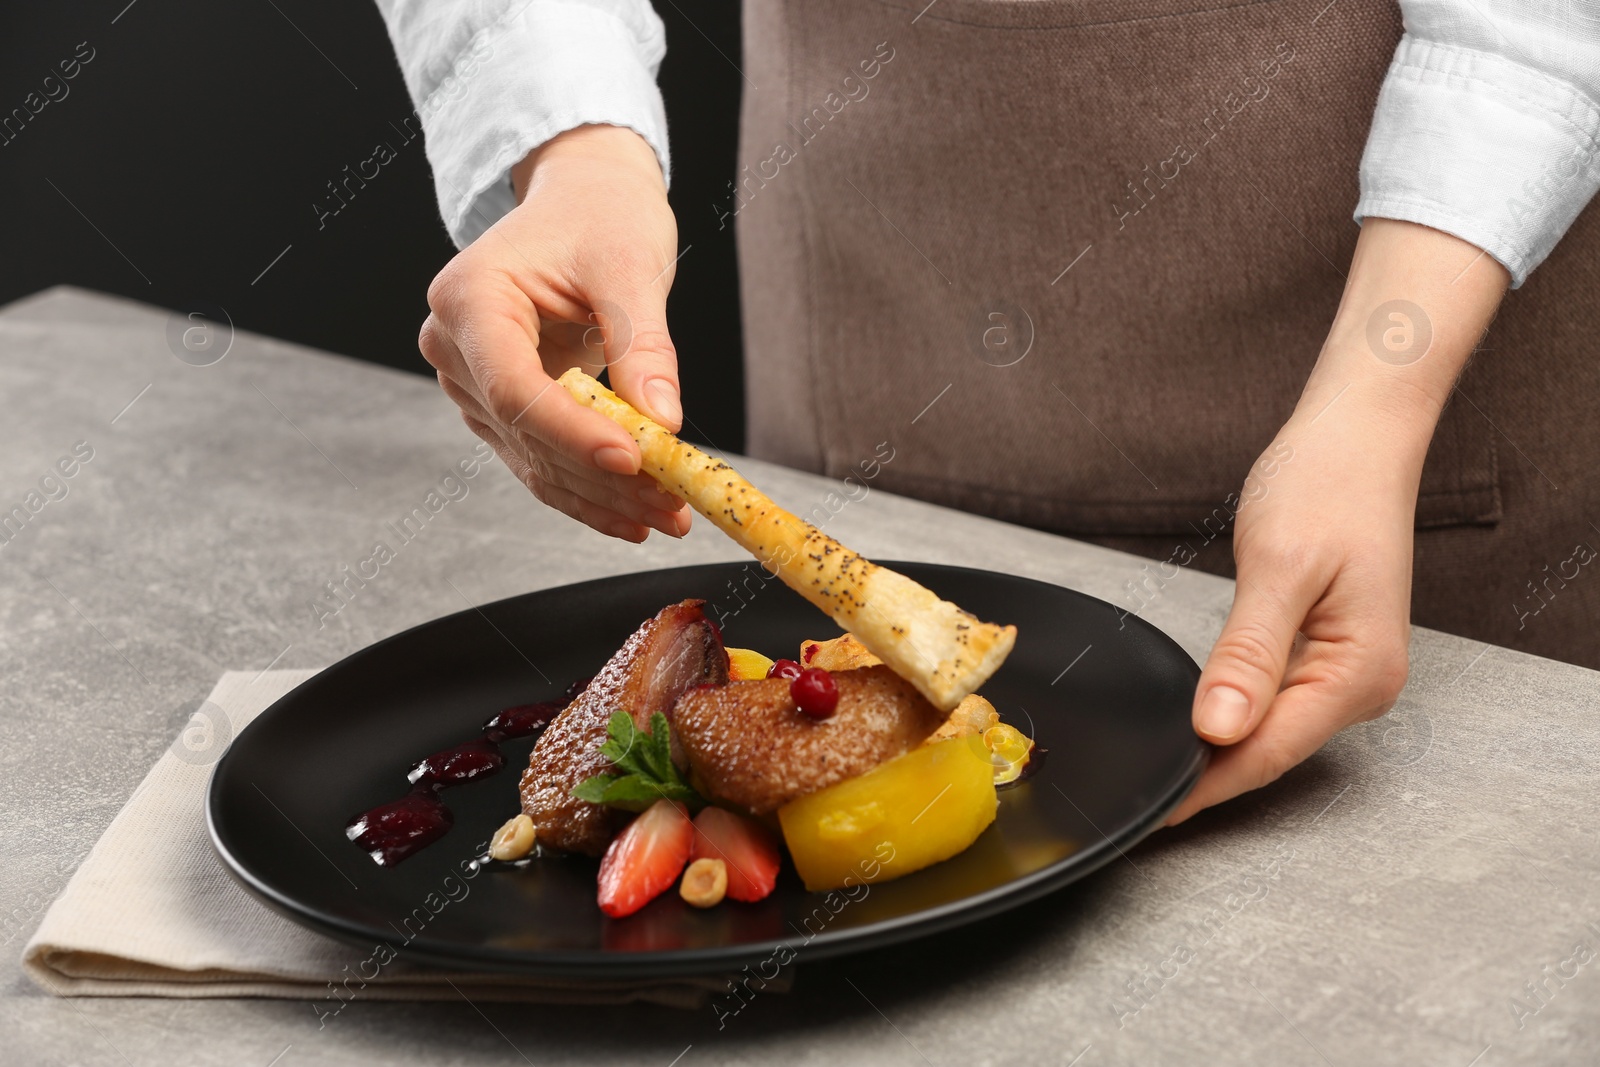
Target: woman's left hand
[1317, 636]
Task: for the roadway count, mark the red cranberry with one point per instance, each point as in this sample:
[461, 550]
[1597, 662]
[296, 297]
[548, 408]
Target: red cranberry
[810, 653]
[815, 693]
[784, 668]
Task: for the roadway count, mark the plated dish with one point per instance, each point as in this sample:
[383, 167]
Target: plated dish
[683, 757]
[705, 794]
[1115, 719]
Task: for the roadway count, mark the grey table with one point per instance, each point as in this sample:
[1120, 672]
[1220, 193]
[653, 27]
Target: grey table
[1426, 890]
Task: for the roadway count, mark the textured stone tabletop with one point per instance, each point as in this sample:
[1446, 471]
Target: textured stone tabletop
[1426, 890]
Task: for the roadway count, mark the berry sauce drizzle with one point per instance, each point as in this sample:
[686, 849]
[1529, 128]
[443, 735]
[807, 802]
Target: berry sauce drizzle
[394, 831]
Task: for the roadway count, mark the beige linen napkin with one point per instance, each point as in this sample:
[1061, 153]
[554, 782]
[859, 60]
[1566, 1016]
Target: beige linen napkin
[152, 911]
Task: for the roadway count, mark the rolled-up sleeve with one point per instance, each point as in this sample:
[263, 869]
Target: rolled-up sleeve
[493, 79]
[1487, 124]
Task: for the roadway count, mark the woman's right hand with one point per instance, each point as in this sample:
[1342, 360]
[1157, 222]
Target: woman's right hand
[576, 275]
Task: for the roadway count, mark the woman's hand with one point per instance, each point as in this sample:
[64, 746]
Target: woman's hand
[576, 275]
[1320, 623]
[1317, 636]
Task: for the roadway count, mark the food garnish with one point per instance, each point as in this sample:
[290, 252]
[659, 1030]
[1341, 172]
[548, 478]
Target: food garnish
[705, 883]
[391, 832]
[841, 654]
[972, 717]
[945, 652]
[815, 693]
[1009, 750]
[512, 841]
[645, 859]
[524, 720]
[925, 806]
[746, 665]
[784, 668]
[744, 845]
[644, 770]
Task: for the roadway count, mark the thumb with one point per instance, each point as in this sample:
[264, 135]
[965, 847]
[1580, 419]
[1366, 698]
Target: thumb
[1247, 664]
[640, 358]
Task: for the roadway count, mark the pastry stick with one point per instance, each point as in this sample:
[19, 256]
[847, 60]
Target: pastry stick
[945, 652]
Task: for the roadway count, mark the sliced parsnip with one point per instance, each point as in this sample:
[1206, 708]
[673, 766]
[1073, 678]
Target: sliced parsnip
[945, 652]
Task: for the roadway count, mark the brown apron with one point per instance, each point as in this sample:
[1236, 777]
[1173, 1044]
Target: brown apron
[1074, 260]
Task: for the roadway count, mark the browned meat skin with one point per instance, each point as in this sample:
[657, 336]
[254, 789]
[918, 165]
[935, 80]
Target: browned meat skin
[673, 652]
[749, 746]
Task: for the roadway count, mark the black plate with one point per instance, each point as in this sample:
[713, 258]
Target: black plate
[1107, 694]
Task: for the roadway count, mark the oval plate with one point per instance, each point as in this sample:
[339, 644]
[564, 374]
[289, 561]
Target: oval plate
[1107, 694]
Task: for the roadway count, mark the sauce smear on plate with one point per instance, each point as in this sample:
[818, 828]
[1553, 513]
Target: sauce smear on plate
[394, 831]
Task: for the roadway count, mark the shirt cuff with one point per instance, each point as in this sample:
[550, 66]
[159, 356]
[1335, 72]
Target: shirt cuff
[1494, 152]
[518, 83]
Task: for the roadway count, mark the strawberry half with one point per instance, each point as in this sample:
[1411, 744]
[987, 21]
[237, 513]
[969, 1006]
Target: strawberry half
[646, 858]
[744, 845]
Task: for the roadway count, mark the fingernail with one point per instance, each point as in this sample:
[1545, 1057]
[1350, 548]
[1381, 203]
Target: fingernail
[664, 399]
[625, 530]
[614, 459]
[1223, 713]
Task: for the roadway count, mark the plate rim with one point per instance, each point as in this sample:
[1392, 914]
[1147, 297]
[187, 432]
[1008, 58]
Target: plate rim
[667, 963]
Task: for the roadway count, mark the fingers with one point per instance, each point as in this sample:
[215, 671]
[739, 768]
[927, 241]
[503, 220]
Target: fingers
[597, 516]
[569, 453]
[617, 497]
[1247, 664]
[631, 315]
[485, 339]
[1297, 727]
[597, 485]
[1346, 674]
[1302, 719]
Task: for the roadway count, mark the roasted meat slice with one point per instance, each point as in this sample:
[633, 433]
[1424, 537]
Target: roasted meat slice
[749, 746]
[667, 656]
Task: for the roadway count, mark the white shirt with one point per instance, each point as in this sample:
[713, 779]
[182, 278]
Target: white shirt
[1487, 125]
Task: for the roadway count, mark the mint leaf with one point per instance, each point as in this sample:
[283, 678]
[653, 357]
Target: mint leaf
[655, 750]
[636, 793]
[642, 768]
[623, 742]
[632, 792]
[593, 789]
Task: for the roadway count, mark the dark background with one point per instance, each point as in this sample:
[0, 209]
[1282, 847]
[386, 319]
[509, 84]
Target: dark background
[199, 136]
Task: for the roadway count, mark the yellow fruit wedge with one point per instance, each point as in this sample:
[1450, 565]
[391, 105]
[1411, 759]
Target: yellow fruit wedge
[747, 665]
[906, 814]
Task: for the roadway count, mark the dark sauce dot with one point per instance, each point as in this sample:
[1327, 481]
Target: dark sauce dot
[392, 832]
[522, 720]
[463, 763]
